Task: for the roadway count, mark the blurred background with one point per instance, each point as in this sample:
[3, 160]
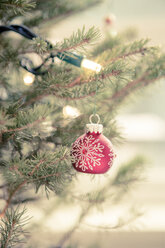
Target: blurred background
[142, 120]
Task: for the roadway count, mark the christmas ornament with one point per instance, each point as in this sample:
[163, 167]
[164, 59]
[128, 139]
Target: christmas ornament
[110, 19]
[109, 24]
[92, 152]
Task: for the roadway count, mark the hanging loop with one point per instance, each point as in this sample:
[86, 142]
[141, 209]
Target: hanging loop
[94, 115]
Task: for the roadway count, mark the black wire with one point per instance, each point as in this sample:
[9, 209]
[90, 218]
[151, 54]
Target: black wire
[20, 29]
[26, 63]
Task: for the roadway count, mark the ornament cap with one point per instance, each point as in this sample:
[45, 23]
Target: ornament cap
[94, 128]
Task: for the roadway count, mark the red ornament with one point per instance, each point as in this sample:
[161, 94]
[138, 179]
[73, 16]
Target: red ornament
[92, 152]
[110, 20]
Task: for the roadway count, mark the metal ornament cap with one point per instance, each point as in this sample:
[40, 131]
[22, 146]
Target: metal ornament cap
[94, 127]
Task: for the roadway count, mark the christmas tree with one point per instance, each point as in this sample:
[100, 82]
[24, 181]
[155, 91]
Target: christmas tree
[47, 94]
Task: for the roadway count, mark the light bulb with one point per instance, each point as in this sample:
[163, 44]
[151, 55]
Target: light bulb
[113, 33]
[88, 64]
[28, 78]
[69, 111]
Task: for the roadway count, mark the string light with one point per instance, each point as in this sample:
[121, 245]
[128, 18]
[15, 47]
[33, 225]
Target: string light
[88, 64]
[79, 61]
[69, 111]
[26, 63]
[28, 78]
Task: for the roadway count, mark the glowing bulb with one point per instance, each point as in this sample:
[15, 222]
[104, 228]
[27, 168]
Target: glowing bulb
[88, 64]
[69, 111]
[28, 78]
[113, 33]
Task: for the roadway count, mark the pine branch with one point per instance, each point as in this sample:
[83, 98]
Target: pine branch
[8, 201]
[29, 125]
[101, 76]
[47, 169]
[127, 89]
[77, 42]
[80, 87]
[5, 120]
[148, 70]
[10, 233]
[80, 38]
[19, 186]
[128, 54]
[33, 100]
[134, 85]
[17, 6]
[11, 227]
[26, 122]
[128, 174]
[80, 81]
[128, 50]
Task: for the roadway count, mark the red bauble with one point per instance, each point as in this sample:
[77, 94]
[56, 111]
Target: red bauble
[110, 19]
[92, 152]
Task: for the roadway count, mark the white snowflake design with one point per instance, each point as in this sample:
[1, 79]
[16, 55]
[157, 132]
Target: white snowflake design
[87, 152]
[112, 155]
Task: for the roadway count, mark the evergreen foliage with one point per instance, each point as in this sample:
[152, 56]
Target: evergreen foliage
[11, 227]
[26, 112]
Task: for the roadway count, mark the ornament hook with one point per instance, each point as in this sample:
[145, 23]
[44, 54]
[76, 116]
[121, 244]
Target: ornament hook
[98, 118]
